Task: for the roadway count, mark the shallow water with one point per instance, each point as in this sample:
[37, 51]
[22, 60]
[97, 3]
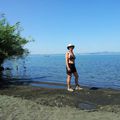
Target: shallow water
[93, 70]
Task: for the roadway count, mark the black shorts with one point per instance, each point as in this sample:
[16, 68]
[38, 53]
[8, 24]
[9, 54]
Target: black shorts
[72, 69]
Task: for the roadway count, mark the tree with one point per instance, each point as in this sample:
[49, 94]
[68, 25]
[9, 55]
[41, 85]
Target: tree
[11, 42]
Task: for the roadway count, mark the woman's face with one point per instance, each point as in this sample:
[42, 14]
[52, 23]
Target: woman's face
[71, 48]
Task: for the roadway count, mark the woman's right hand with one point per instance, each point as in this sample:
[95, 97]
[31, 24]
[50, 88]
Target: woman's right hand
[69, 69]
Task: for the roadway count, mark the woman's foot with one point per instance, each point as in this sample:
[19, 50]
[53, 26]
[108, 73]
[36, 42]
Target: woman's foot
[78, 87]
[70, 89]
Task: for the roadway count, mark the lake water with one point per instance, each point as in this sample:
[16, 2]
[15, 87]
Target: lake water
[94, 70]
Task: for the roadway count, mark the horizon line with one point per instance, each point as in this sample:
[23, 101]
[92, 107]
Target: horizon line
[104, 52]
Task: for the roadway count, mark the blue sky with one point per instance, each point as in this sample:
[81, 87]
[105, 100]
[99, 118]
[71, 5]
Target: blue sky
[92, 25]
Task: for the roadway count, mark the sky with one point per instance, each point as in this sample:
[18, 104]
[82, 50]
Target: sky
[91, 25]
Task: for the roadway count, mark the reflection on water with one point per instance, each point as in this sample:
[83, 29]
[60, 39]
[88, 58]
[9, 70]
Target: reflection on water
[94, 70]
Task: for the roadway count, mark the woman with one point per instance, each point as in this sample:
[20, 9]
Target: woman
[70, 68]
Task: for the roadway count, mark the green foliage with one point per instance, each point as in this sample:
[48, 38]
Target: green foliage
[11, 42]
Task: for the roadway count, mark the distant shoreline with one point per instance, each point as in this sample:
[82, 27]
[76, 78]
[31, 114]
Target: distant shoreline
[87, 53]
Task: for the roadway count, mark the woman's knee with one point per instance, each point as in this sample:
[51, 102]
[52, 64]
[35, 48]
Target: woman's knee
[68, 76]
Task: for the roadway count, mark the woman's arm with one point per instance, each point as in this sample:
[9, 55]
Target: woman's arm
[67, 61]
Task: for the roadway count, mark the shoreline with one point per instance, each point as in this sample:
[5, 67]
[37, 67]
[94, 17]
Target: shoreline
[93, 96]
[45, 84]
[89, 103]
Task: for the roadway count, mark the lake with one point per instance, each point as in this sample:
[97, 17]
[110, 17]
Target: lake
[94, 70]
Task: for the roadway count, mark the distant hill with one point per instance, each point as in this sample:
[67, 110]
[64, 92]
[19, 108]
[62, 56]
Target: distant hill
[101, 53]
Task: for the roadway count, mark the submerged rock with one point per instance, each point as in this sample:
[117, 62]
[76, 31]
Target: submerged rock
[8, 68]
[1, 68]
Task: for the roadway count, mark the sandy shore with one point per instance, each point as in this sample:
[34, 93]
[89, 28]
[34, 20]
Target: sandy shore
[12, 108]
[35, 103]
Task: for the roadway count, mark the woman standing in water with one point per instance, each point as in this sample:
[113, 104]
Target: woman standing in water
[70, 68]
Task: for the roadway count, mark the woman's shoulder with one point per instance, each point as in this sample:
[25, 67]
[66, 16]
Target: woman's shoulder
[67, 53]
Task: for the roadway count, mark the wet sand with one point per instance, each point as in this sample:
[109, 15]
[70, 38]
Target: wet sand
[36, 103]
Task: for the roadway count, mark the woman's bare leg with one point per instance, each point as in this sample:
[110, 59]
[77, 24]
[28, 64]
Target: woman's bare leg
[68, 81]
[76, 78]
[76, 81]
